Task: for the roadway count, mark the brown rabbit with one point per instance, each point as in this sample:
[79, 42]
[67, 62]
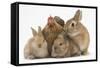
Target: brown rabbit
[36, 46]
[78, 32]
[50, 32]
[59, 21]
[64, 47]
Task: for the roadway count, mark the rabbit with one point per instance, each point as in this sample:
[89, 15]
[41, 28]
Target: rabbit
[36, 46]
[64, 47]
[59, 20]
[50, 32]
[78, 32]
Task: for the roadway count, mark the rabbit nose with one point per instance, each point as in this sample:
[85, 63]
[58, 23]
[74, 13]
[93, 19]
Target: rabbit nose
[39, 45]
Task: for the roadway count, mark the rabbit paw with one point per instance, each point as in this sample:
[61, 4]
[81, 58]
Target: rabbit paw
[84, 53]
[29, 57]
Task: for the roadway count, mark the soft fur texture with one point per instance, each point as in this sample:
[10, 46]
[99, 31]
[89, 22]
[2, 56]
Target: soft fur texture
[59, 20]
[36, 47]
[64, 47]
[78, 32]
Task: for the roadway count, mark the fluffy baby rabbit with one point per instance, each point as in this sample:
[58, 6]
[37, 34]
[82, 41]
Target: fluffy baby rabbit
[36, 47]
[64, 47]
[59, 21]
[50, 32]
[78, 32]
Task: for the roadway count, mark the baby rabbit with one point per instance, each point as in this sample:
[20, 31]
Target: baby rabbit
[36, 46]
[78, 32]
[64, 47]
[50, 32]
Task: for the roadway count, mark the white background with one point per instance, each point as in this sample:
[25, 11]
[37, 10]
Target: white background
[5, 34]
[36, 15]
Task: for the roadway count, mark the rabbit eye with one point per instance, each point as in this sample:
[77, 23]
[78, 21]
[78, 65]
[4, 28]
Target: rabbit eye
[60, 44]
[72, 24]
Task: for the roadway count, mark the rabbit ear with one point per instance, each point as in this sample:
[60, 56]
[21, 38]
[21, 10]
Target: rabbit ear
[59, 20]
[39, 29]
[78, 15]
[33, 32]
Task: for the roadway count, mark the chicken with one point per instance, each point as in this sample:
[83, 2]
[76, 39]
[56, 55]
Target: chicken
[50, 32]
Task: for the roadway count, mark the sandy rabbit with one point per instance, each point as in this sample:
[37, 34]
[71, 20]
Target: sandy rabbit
[64, 47]
[78, 32]
[36, 46]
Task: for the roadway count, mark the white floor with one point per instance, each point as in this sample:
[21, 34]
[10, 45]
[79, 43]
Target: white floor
[90, 56]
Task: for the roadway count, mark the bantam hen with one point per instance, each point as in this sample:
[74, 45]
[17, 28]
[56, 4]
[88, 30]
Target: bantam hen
[50, 32]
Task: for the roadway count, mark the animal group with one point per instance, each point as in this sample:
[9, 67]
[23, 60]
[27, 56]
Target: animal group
[59, 39]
